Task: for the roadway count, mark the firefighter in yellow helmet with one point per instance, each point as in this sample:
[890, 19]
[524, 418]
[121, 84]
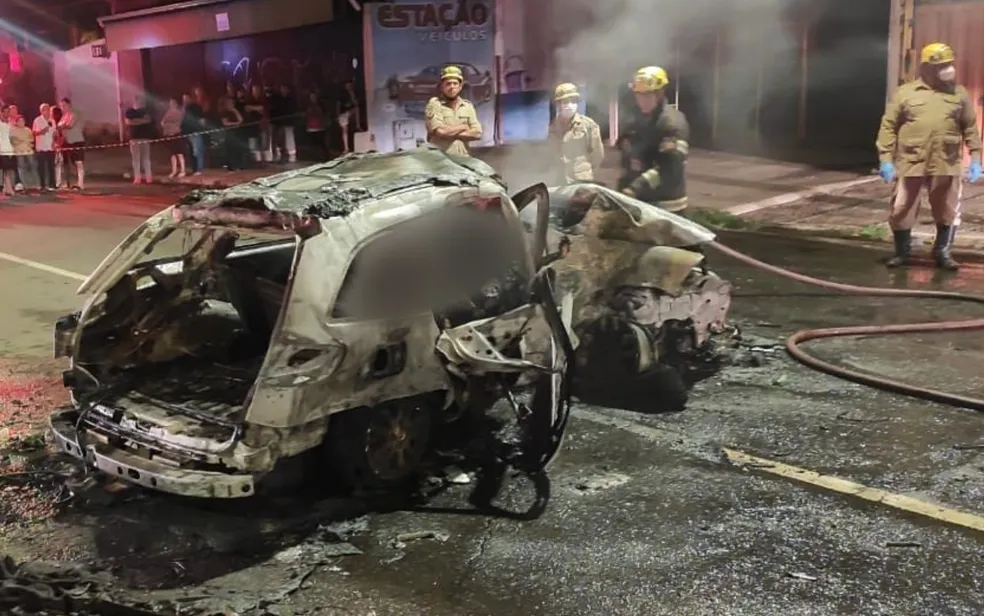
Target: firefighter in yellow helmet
[451, 120]
[654, 149]
[577, 137]
[921, 145]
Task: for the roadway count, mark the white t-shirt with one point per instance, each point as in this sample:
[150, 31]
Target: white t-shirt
[6, 148]
[45, 142]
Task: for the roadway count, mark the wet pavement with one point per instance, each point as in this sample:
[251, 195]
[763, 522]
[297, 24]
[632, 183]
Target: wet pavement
[644, 515]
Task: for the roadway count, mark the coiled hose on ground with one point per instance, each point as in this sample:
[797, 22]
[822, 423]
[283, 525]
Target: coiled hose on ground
[800, 355]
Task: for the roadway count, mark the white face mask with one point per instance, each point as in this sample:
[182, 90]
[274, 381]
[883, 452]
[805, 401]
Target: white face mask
[567, 110]
[948, 74]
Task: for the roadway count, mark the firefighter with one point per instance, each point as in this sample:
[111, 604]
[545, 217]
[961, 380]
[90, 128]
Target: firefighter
[577, 136]
[921, 144]
[451, 120]
[654, 150]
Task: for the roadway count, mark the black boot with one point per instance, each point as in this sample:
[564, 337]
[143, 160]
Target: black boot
[941, 249]
[903, 242]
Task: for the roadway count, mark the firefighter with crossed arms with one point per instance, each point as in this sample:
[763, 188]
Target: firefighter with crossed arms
[654, 149]
[921, 145]
[451, 120]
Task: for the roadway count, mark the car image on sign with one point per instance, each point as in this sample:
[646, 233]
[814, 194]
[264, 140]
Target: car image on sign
[420, 87]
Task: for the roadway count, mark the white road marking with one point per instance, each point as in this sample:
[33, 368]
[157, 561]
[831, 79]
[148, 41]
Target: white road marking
[41, 267]
[940, 513]
[823, 189]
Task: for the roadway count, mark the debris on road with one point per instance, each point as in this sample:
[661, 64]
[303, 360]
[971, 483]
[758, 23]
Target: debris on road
[598, 483]
[403, 539]
[903, 544]
[802, 576]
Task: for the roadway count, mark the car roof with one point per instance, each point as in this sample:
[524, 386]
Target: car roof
[351, 183]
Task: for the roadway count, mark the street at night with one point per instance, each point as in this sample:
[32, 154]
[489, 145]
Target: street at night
[655, 514]
[491, 308]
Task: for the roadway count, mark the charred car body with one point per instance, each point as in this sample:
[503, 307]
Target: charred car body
[341, 309]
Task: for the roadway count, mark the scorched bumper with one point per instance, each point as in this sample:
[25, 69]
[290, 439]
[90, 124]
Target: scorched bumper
[144, 471]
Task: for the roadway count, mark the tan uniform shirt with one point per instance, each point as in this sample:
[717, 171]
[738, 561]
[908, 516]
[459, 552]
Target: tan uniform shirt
[924, 130]
[440, 113]
[581, 148]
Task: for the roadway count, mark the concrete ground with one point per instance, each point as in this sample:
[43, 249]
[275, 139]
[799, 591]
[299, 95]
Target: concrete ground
[646, 514]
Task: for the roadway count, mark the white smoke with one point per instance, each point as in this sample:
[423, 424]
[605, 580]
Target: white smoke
[723, 57]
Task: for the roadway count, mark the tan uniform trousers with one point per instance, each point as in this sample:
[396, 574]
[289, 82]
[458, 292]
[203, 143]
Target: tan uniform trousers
[942, 191]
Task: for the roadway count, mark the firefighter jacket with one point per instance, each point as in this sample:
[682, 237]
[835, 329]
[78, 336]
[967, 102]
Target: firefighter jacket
[924, 130]
[581, 149]
[654, 156]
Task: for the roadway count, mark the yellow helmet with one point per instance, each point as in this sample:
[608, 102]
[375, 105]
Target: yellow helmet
[650, 79]
[452, 72]
[566, 91]
[936, 53]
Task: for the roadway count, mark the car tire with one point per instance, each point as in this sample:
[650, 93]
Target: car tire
[380, 448]
[611, 369]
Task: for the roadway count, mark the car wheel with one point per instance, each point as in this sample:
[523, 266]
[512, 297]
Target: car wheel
[617, 365]
[380, 447]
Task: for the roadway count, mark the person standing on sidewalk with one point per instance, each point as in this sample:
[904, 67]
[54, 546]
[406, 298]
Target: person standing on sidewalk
[921, 144]
[22, 139]
[283, 116]
[256, 116]
[348, 116]
[176, 146]
[316, 124]
[576, 137]
[451, 120]
[192, 125]
[71, 125]
[655, 148]
[8, 162]
[44, 146]
[137, 117]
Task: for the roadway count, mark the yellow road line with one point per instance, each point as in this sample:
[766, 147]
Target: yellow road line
[940, 513]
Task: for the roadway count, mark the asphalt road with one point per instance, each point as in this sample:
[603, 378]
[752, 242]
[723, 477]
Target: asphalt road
[645, 515]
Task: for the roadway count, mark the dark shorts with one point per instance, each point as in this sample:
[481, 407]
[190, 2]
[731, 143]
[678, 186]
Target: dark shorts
[74, 156]
[8, 163]
[176, 145]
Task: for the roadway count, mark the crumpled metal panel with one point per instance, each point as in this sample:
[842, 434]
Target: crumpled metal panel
[706, 302]
[345, 185]
[593, 210]
[476, 348]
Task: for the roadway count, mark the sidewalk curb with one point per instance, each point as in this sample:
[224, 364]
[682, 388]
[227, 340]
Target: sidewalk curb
[793, 197]
[970, 255]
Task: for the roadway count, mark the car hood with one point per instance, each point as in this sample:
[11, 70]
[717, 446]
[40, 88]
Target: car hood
[122, 258]
[591, 209]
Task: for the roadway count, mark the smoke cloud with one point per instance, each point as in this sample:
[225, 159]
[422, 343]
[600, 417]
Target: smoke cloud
[603, 43]
[735, 66]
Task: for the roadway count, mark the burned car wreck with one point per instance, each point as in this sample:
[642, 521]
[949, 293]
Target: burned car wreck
[645, 307]
[344, 310]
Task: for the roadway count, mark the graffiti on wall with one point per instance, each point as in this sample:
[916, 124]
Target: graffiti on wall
[313, 57]
[298, 73]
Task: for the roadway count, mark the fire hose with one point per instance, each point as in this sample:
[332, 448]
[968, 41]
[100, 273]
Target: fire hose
[796, 339]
